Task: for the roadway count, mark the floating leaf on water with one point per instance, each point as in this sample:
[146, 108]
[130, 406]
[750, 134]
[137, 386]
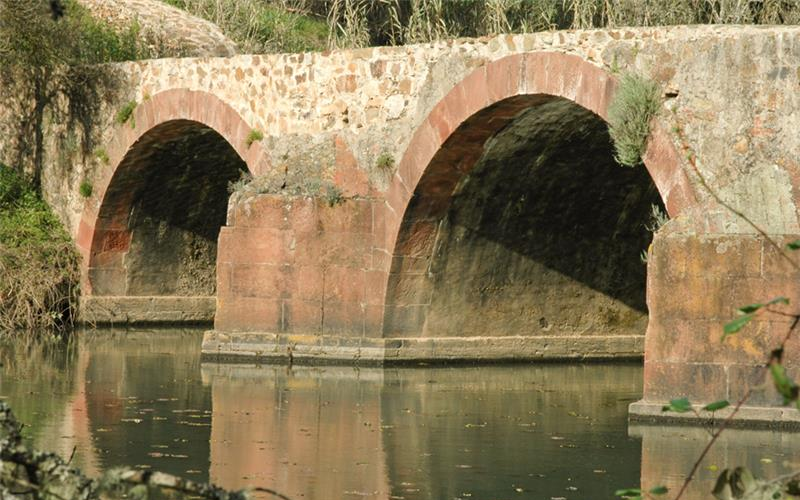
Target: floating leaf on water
[468, 426]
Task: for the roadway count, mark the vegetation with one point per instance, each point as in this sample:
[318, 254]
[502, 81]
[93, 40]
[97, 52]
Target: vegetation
[259, 26]
[38, 263]
[254, 136]
[26, 474]
[299, 25]
[126, 113]
[248, 185]
[85, 188]
[635, 103]
[385, 161]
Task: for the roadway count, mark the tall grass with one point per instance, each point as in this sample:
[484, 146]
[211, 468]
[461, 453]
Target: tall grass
[358, 23]
[38, 262]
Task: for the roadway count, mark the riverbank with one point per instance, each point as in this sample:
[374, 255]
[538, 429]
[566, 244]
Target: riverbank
[39, 274]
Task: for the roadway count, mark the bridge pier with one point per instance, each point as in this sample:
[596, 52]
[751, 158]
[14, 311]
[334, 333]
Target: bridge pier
[695, 283]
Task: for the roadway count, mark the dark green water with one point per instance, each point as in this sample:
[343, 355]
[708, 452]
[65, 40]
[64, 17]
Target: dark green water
[545, 431]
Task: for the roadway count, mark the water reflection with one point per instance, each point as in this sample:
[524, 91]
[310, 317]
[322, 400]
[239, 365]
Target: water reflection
[669, 452]
[536, 431]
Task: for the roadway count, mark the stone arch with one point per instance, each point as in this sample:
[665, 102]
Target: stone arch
[104, 235]
[450, 141]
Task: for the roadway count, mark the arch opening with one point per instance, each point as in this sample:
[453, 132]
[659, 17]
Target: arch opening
[158, 225]
[524, 224]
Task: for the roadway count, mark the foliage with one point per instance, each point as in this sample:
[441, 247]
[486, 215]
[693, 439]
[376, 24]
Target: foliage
[38, 263]
[85, 189]
[248, 185]
[254, 136]
[259, 26]
[50, 66]
[635, 103]
[102, 155]
[385, 161]
[126, 113]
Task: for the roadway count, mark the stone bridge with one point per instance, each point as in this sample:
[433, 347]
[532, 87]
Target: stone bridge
[457, 201]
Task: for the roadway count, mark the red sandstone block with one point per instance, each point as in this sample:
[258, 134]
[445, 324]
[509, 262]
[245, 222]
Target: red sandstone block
[503, 77]
[344, 284]
[343, 318]
[754, 377]
[373, 320]
[381, 260]
[423, 146]
[676, 340]
[224, 277]
[397, 198]
[248, 314]
[303, 215]
[476, 91]
[303, 316]
[352, 216]
[261, 281]
[352, 250]
[375, 287]
[700, 382]
[307, 283]
[247, 245]
[268, 211]
[700, 298]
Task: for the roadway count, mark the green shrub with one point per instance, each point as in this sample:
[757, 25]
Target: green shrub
[85, 189]
[254, 136]
[102, 155]
[126, 113]
[385, 161]
[635, 103]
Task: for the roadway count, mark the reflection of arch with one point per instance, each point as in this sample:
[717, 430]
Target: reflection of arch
[449, 143]
[103, 233]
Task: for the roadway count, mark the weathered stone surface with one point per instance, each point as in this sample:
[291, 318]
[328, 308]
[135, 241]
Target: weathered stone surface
[172, 29]
[143, 310]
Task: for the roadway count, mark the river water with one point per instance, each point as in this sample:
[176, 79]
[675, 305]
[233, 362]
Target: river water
[550, 431]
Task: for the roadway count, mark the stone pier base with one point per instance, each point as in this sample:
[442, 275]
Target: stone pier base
[104, 310]
[696, 282]
[329, 349]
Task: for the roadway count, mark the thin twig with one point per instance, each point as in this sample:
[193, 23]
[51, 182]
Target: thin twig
[714, 438]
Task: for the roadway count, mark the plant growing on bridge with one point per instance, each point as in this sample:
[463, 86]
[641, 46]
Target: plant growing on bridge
[85, 189]
[385, 161]
[254, 136]
[635, 103]
[126, 113]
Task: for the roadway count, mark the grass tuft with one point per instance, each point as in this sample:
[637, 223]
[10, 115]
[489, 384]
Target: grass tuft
[38, 263]
[635, 103]
[85, 189]
[126, 113]
[254, 136]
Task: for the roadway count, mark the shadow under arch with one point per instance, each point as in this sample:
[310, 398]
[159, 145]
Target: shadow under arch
[463, 264]
[151, 227]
